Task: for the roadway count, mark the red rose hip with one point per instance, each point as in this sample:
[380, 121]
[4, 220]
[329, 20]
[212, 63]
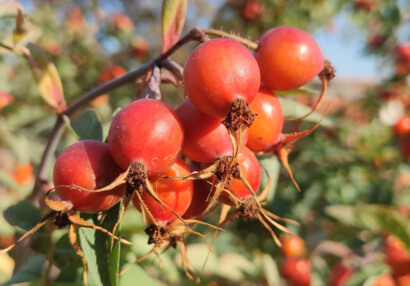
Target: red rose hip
[146, 131]
[206, 138]
[288, 58]
[265, 131]
[250, 170]
[176, 194]
[219, 71]
[87, 164]
[297, 271]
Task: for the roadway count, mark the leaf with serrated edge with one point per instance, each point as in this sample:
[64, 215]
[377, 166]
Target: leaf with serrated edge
[173, 19]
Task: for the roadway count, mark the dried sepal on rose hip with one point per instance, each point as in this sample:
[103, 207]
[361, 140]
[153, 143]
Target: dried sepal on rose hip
[221, 77]
[87, 164]
[240, 194]
[206, 138]
[145, 138]
[146, 131]
[267, 127]
[81, 168]
[164, 227]
[265, 134]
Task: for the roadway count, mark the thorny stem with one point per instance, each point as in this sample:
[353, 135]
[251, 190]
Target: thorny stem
[248, 43]
[195, 34]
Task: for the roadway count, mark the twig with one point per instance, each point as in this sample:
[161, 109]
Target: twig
[196, 34]
[248, 43]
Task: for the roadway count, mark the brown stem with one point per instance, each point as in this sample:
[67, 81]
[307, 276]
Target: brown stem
[59, 126]
[195, 34]
[174, 68]
[248, 43]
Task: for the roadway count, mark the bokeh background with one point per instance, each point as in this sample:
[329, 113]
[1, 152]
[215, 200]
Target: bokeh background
[354, 170]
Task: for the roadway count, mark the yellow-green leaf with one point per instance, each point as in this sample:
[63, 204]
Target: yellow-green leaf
[173, 19]
[47, 78]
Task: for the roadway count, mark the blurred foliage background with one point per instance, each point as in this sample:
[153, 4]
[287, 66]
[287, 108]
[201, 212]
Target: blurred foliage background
[354, 170]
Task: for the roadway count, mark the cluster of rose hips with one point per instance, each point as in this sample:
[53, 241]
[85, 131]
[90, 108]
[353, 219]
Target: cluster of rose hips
[396, 256]
[297, 270]
[175, 165]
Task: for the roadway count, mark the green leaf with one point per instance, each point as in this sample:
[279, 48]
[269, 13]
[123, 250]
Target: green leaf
[197, 253]
[234, 266]
[374, 218]
[25, 115]
[47, 78]
[136, 276]
[71, 274]
[271, 164]
[378, 218]
[64, 252]
[30, 271]
[173, 19]
[17, 143]
[102, 264]
[343, 213]
[23, 215]
[293, 109]
[270, 270]
[360, 277]
[88, 126]
[6, 179]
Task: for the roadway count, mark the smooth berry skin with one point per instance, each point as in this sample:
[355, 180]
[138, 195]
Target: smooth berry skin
[385, 280]
[288, 58]
[219, 71]
[293, 246]
[87, 164]
[402, 126]
[297, 271]
[206, 138]
[405, 147]
[266, 129]
[200, 200]
[176, 194]
[340, 274]
[146, 131]
[250, 169]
